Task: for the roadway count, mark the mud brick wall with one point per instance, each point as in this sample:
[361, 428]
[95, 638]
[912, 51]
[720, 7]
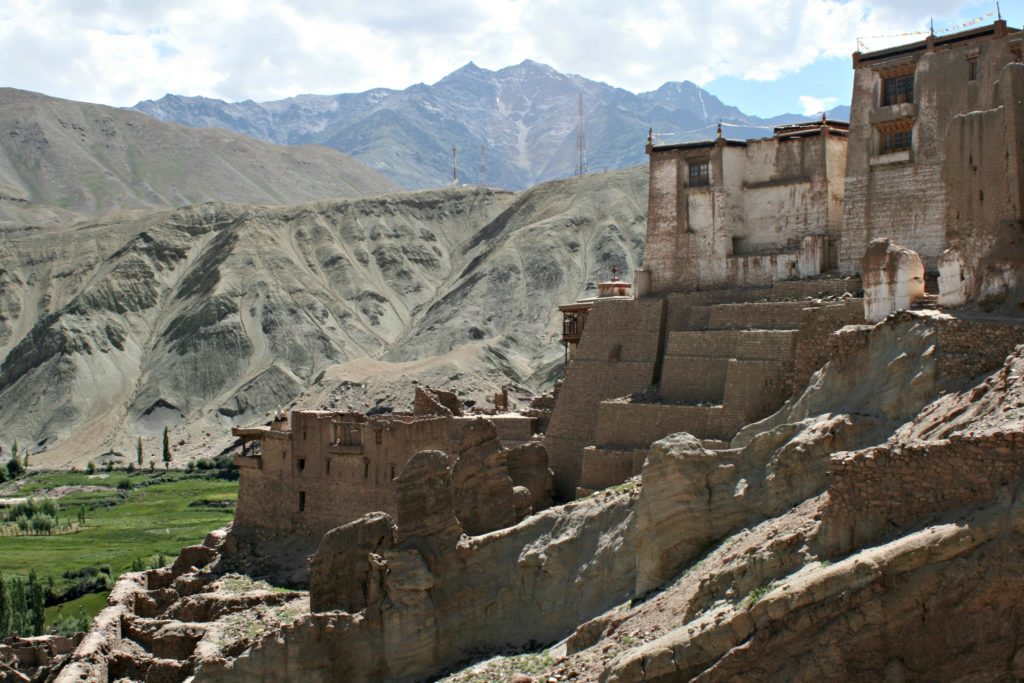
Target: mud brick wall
[514, 428]
[332, 484]
[625, 425]
[784, 315]
[877, 488]
[697, 363]
[818, 324]
[603, 467]
[263, 481]
[753, 390]
[618, 355]
[969, 348]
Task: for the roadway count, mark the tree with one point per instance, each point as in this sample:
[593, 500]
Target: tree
[167, 450]
[138, 452]
[5, 609]
[14, 468]
[35, 602]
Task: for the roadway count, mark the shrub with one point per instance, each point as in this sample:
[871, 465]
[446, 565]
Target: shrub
[42, 524]
[125, 484]
[90, 468]
[14, 468]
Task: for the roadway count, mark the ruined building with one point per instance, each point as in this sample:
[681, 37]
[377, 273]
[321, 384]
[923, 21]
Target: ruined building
[315, 470]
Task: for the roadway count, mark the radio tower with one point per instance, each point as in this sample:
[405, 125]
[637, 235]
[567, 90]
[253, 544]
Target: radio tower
[455, 168]
[480, 180]
[581, 143]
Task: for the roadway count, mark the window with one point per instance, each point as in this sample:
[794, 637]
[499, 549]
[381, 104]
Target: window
[699, 175]
[302, 501]
[366, 469]
[392, 468]
[328, 468]
[378, 436]
[301, 464]
[897, 90]
[972, 68]
[897, 140]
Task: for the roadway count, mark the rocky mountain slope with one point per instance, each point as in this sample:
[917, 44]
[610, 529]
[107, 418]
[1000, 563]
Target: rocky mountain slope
[212, 315]
[62, 160]
[525, 117]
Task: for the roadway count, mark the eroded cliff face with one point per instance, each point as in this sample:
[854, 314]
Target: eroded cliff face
[203, 317]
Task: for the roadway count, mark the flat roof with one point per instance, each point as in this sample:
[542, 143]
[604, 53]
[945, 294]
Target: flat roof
[995, 28]
[699, 144]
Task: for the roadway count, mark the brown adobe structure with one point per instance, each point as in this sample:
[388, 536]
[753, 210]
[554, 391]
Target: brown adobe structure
[906, 101]
[753, 246]
[313, 470]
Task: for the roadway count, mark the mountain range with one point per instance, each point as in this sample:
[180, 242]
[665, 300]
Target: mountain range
[512, 128]
[155, 275]
[62, 161]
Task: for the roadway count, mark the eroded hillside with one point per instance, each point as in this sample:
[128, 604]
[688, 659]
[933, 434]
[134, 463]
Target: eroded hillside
[213, 315]
[62, 160]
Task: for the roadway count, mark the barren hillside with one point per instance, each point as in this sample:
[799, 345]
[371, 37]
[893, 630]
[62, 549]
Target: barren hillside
[212, 315]
[62, 160]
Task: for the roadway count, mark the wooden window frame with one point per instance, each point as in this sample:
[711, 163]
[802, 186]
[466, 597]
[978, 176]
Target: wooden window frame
[698, 179]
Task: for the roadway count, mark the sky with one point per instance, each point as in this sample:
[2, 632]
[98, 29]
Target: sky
[764, 56]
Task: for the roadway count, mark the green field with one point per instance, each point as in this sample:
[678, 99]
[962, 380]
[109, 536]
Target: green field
[161, 513]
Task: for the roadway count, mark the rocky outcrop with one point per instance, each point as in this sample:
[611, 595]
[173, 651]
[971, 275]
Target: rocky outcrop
[893, 278]
[481, 488]
[346, 573]
[528, 467]
[443, 599]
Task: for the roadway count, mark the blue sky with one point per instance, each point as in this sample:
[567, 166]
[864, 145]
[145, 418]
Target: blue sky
[764, 56]
[830, 79]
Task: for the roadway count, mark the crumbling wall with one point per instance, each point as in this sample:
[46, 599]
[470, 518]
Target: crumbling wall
[893, 279]
[875, 490]
[430, 401]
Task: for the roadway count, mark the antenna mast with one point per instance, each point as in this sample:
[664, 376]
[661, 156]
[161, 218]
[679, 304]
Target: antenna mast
[455, 168]
[581, 143]
[480, 181]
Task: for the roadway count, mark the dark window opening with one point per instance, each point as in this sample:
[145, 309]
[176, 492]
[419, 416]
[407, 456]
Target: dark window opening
[328, 469]
[615, 353]
[972, 69]
[897, 141]
[700, 175]
[392, 468]
[366, 469]
[303, 434]
[739, 245]
[898, 90]
[302, 464]
[302, 501]
[378, 436]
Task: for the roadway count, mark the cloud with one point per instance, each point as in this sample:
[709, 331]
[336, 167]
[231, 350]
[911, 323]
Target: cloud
[815, 105]
[121, 51]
